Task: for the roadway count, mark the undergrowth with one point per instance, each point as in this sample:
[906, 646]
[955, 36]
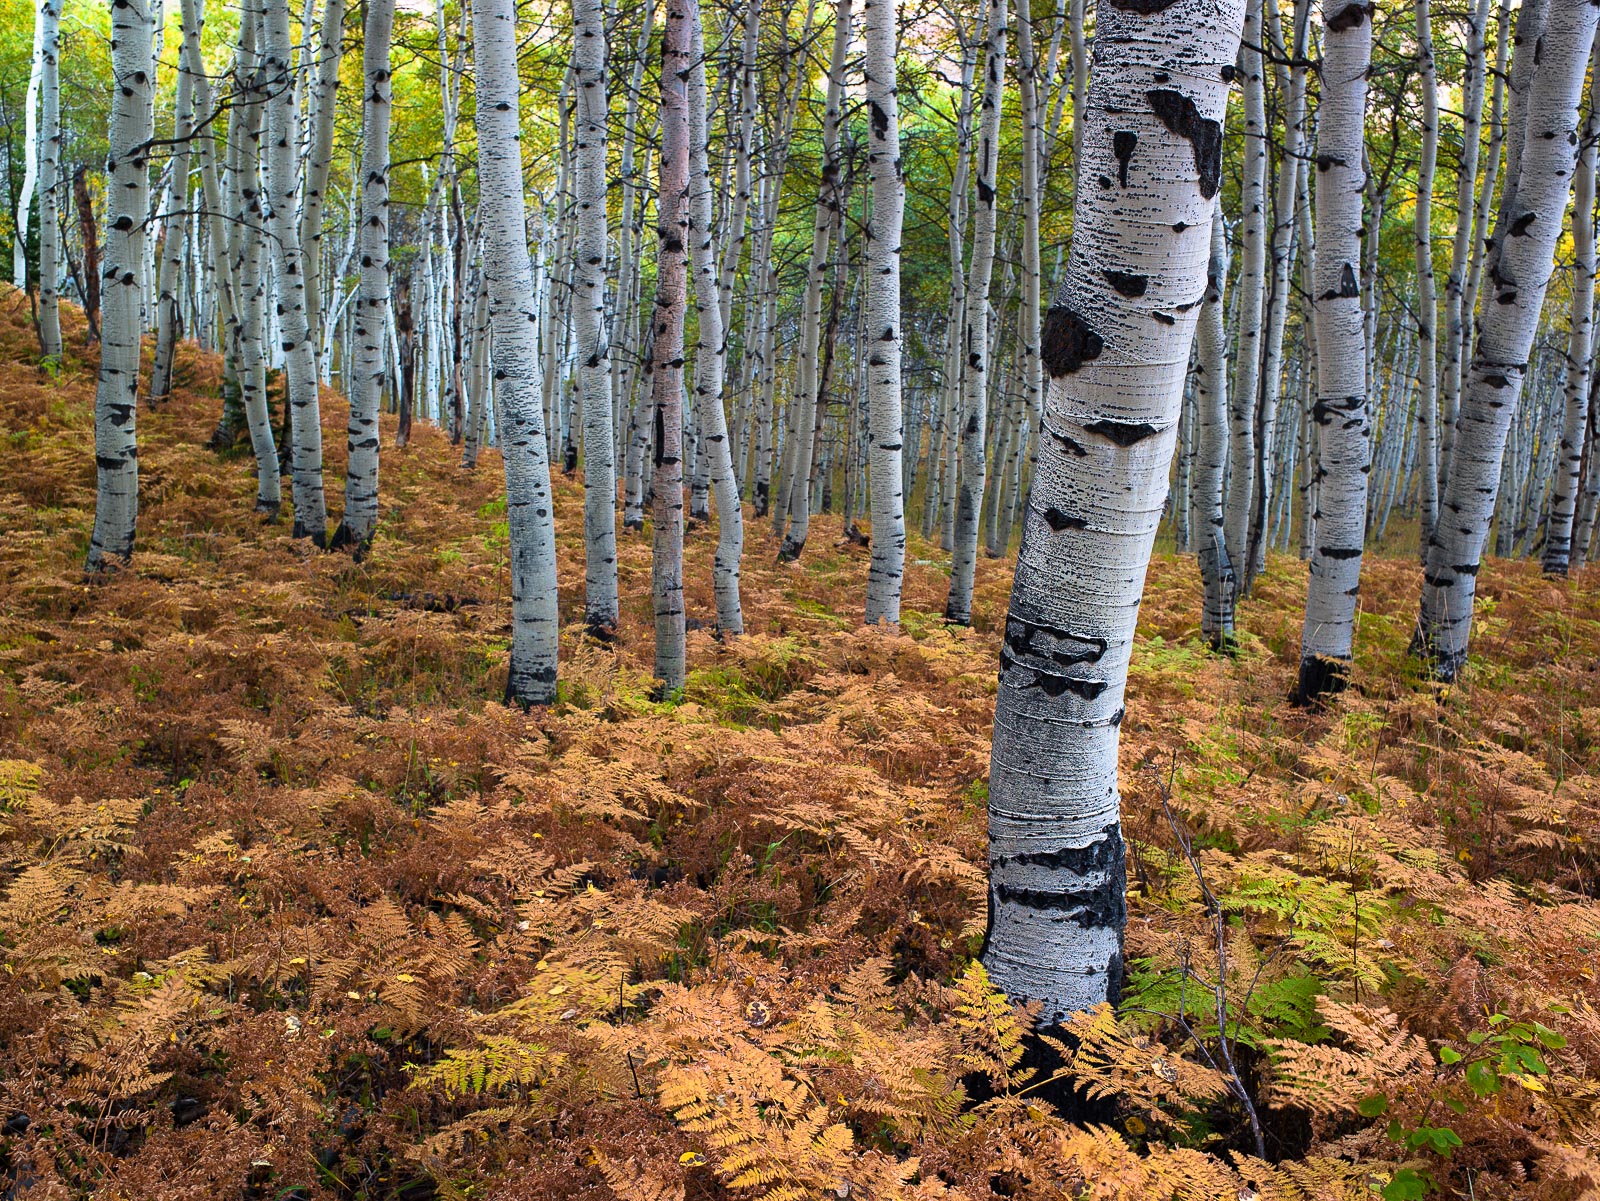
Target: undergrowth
[291, 907]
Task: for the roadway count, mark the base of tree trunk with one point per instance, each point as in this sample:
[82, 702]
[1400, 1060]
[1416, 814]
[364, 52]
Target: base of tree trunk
[319, 538]
[790, 550]
[1321, 677]
[344, 537]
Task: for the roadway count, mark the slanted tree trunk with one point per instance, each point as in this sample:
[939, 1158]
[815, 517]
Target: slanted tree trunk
[886, 423]
[1519, 272]
[1344, 429]
[300, 361]
[1211, 450]
[371, 316]
[666, 351]
[116, 400]
[169, 315]
[324, 94]
[1251, 291]
[50, 181]
[711, 350]
[589, 320]
[1580, 337]
[975, 328]
[1116, 345]
[535, 617]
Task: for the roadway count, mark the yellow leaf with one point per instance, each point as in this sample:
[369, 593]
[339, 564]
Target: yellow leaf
[692, 1159]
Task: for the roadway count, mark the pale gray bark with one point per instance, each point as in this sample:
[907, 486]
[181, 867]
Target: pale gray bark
[1344, 431]
[711, 349]
[169, 316]
[589, 319]
[323, 97]
[1211, 449]
[31, 150]
[975, 328]
[371, 315]
[49, 180]
[1116, 345]
[1519, 275]
[886, 422]
[116, 401]
[535, 616]
[1427, 306]
[300, 363]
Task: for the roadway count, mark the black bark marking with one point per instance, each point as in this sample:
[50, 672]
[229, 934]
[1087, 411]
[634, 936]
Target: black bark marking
[1122, 145]
[1123, 433]
[1071, 445]
[1339, 552]
[1066, 342]
[1519, 227]
[1058, 521]
[1179, 114]
[1126, 283]
[1349, 17]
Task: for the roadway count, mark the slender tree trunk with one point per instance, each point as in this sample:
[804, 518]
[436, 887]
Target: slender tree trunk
[116, 401]
[324, 94]
[300, 364]
[169, 316]
[975, 329]
[1532, 209]
[666, 352]
[1427, 305]
[1116, 345]
[31, 149]
[1211, 450]
[50, 181]
[1575, 409]
[535, 617]
[1344, 442]
[360, 519]
[886, 423]
[589, 320]
[711, 349]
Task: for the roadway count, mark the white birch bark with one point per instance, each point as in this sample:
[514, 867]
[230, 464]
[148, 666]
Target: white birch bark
[589, 319]
[796, 508]
[371, 317]
[300, 363]
[711, 348]
[975, 328]
[323, 104]
[116, 401]
[1519, 276]
[1211, 450]
[50, 180]
[169, 316]
[886, 423]
[666, 351]
[30, 150]
[1344, 434]
[535, 617]
[1116, 345]
[1427, 303]
[1251, 291]
[1580, 338]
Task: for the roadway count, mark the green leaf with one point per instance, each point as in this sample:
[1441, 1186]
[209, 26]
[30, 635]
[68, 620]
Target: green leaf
[1476, 1037]
[1449, 1055]
[1374, 1106]
[1405, 1185]
[1482, 1078]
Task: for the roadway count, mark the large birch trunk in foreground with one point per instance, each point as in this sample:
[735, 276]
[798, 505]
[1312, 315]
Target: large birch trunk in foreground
[666, 351]
[589, 320]
[116, 398]
[300, 360]
[371, 318]
[1116, 345]
[1344, 429]
[513, 320]
[1519, 274]
[885, 422]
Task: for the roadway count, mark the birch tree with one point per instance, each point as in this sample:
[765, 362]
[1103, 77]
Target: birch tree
[666, 351]
[300, 364]
[1211, 449]
[535, 617]
[116, 398]
[371, 367]
[1344, 431]
[1531, 217]
[1116, 346]
[975, 328]
[49, 179]
[589, 320]
[885, 419]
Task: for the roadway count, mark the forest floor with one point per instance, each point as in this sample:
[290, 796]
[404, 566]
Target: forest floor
[292, 907]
